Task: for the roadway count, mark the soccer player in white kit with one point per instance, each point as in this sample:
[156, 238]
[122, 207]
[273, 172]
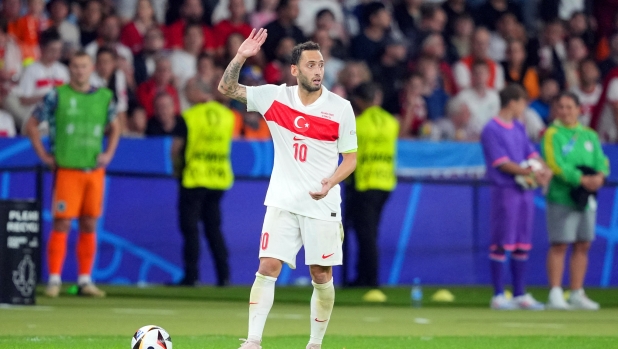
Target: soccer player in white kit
[310, 127]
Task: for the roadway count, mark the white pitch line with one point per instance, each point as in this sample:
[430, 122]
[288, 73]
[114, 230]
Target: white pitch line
[422, 321]
[136, 311]
[532, 325]
[26, 307]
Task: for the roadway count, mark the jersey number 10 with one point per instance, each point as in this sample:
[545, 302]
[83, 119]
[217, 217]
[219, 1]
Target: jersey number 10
[300, 152]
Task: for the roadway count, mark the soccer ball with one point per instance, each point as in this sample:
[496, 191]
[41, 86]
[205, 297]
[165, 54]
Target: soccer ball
[151, 337]
[529, 182]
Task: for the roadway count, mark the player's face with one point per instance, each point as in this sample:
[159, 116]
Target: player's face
[310, 70]
[80, 69]
[520, 106]
[568, 111]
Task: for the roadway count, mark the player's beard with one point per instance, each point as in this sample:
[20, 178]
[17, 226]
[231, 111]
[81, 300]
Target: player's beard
[305, 83]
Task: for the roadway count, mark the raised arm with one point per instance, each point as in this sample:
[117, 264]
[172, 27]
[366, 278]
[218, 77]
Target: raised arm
[229, 85]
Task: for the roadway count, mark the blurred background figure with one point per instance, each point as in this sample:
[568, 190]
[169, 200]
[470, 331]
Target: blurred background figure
[482, 100]
[456, 125]
[574, 154]
[370, 185]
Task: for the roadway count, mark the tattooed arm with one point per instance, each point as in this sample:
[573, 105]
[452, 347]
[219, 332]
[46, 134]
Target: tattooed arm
[229, 85]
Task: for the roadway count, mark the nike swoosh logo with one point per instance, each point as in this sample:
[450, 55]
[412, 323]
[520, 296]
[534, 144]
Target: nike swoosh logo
[298, 139]
[253, 302]
[316, 320]
[327, 255]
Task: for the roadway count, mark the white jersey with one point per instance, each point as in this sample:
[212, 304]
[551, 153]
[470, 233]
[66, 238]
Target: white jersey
[307, 142]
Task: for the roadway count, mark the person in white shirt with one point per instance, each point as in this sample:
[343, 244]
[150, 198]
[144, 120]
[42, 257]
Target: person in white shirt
[589, 89]
[310, 127]
[40, 77]
[483, 102]
[184, 62]
[109, 35]
[479, 51]
[107, 74]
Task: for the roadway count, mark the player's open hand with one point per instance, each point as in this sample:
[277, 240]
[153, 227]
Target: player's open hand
[326, 185]
[103, 160]
[251, 46]
[543, 177]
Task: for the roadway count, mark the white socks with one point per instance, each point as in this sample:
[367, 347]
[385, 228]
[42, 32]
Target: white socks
[322, 302]
[54, 279]
[260, 301]
[84, 279]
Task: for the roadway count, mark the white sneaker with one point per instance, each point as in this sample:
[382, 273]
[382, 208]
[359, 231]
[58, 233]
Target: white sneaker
[247, 344]
[500, 302]
[579, 300]
[527, 302]
[556, 300]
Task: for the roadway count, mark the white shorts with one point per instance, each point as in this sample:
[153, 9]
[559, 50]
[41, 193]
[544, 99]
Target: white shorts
[284, 233]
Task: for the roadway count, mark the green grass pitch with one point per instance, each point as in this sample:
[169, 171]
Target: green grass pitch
[211, 318]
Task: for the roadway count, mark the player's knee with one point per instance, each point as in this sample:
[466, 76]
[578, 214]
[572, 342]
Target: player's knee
[270, 267]
[62, 225]
[321, 274]
[581, 247]
[87, 224]
[559, 247]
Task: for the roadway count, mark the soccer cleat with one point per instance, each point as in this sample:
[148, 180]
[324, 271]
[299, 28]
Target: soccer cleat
[90, 290]
[500, 302]
[52, 290]
[556, 300]
[579, 300]
[527, 302]
[247, 344]
[314, 346]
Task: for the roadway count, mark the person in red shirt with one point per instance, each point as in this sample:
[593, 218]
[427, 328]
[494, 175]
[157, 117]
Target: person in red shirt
[132, 34]
[26, 30]
[237, 23]
[191, 11]
[162, 81]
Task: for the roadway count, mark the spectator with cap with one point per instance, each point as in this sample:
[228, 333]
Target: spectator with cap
[367, 45]
[184, 61]
[144, 62]
[479, 52]
[109, 35]
[389, 71]
[588, 91]
[518, 70]
[483, 101]
[89, 21]
[58, 12]
[162, 81]
[236, 23]
[191, 11]
[132, 34]
[283, 26]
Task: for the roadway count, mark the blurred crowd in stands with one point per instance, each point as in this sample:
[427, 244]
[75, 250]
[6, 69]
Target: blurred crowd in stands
[440, 64]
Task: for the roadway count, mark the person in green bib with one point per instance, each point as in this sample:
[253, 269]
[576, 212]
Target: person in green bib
[574, 154]
[205, 169]
[79, 116]
[373, 180]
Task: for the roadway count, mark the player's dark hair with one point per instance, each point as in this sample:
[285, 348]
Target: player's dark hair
[370, 10]
[512, 92]
[49, 36]
[282, 5]
[4, 25]
[570, 95]
[300, 48]
[366, 91]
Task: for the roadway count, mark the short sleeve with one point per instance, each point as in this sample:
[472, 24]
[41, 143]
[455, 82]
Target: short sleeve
[347, 141]
[260, 98]
[612, 91]
[495, 153]
[47, 107]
